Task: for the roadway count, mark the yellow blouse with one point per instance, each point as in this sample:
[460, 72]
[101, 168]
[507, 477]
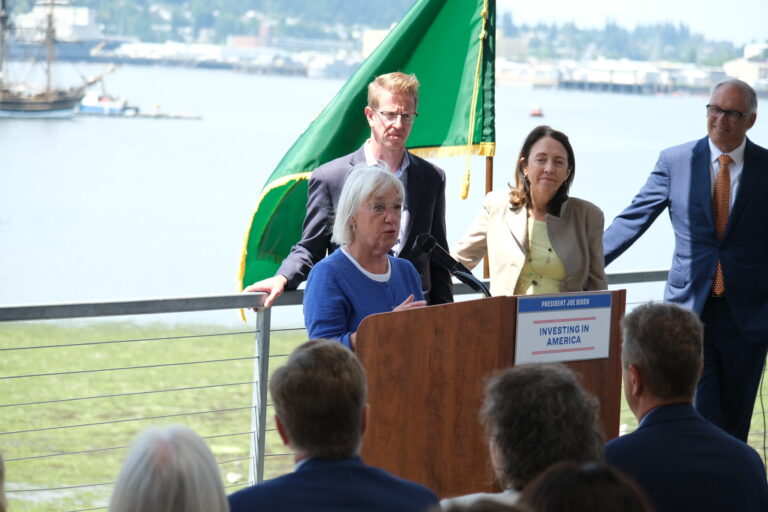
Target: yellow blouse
[543, 272]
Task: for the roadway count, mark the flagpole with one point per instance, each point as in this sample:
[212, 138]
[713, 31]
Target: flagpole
[488, 187]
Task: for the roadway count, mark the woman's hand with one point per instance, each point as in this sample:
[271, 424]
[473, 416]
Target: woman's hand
[409, 303]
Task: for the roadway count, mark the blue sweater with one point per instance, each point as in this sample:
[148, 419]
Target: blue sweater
[338, 295]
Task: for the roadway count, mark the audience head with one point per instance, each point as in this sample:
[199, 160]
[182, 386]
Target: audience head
[319, 398]
[365, 187]
[520, 194]
[2, 485]
[589, 487]
[662, 346]
[535, 415]
[483, 505]
[400, 84]
[169, 469]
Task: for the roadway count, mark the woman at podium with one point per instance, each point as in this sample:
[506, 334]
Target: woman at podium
[538, 239]
[361, 278]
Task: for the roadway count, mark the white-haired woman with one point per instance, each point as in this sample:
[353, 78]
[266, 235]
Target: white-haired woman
[169, 469]
[361, 278]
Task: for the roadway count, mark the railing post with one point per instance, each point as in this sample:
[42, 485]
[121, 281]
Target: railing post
[259, 396]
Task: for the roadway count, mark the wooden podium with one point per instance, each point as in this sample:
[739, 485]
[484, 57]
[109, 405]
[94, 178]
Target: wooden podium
[427, 370]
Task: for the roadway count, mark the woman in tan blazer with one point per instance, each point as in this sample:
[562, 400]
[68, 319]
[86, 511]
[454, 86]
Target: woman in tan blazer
[537, 238]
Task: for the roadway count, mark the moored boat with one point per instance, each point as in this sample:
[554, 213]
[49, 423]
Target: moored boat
[20, 100]
[102, 104]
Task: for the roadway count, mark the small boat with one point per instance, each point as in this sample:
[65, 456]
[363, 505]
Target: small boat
[536, 111]
[20, 100]
[97, 103]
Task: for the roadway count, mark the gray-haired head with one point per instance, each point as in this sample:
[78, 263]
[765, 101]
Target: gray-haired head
[361, 183]
[535, 415]
[751, 95]
[665, 342]
[169, 469]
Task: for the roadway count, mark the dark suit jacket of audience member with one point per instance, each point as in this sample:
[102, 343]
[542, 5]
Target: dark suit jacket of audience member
[684, 462]
[425, 194]
[320, 485]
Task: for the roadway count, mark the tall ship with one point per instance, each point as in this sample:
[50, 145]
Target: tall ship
[22, 100]
[79, 36]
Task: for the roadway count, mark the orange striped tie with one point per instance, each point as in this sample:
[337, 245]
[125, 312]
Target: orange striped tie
[720, 206]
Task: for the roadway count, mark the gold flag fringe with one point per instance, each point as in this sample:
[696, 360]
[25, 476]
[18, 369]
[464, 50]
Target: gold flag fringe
[473, 110]
[482, 149]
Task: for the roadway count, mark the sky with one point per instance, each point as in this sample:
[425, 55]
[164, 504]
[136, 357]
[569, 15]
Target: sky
[743, 21]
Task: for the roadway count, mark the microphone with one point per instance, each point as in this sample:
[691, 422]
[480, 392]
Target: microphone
[429, 245]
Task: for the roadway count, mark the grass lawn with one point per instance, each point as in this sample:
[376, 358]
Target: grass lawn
[106, 381]
[107, 392]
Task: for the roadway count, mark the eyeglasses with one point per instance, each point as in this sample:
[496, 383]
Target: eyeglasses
[391, 117]
[380, 207]
[732, 115]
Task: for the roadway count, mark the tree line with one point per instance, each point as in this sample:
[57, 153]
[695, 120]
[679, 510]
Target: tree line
[214, 20]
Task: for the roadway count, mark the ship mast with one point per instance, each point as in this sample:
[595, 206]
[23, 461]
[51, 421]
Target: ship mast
[50, 36]
[3, 26]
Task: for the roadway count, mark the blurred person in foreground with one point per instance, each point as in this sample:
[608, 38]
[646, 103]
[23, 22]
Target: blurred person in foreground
[715, 189]
[589, 487]
[535, 415]
[485, 505]
[321, 413]
[169, 469]
[3, 506]
[361, 278]
[681, 460]
[391, 112]
[537, 238]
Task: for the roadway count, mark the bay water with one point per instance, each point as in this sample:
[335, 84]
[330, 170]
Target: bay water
[117, 208]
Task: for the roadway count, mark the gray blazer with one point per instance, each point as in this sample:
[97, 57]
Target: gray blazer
[576, 237]
[426, 200]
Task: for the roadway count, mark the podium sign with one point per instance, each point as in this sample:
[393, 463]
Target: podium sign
[560, 328]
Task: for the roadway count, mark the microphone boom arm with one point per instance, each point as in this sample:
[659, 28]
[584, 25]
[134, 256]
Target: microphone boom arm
[470, 280]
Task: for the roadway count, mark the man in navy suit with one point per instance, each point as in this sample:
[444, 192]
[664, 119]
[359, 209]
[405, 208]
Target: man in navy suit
[320, 413]
[391, 111]
[719, 272]
[681, 460]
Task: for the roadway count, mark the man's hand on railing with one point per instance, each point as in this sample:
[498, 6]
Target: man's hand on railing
[274, 286]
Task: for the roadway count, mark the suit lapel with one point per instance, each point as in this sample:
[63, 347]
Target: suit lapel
[751, 174]
[356, 159]
[517, 222]
[412, 197]
[701, 180]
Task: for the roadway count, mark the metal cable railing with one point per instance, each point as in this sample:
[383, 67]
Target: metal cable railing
[71, 375]
[73, 396]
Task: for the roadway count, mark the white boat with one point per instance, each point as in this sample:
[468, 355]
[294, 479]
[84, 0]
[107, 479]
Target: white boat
[99, 103]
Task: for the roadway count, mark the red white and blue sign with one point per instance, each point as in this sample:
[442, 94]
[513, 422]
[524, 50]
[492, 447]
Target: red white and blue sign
[565, 327]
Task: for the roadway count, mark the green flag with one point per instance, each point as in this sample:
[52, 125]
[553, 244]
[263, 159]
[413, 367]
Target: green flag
[449, 45]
